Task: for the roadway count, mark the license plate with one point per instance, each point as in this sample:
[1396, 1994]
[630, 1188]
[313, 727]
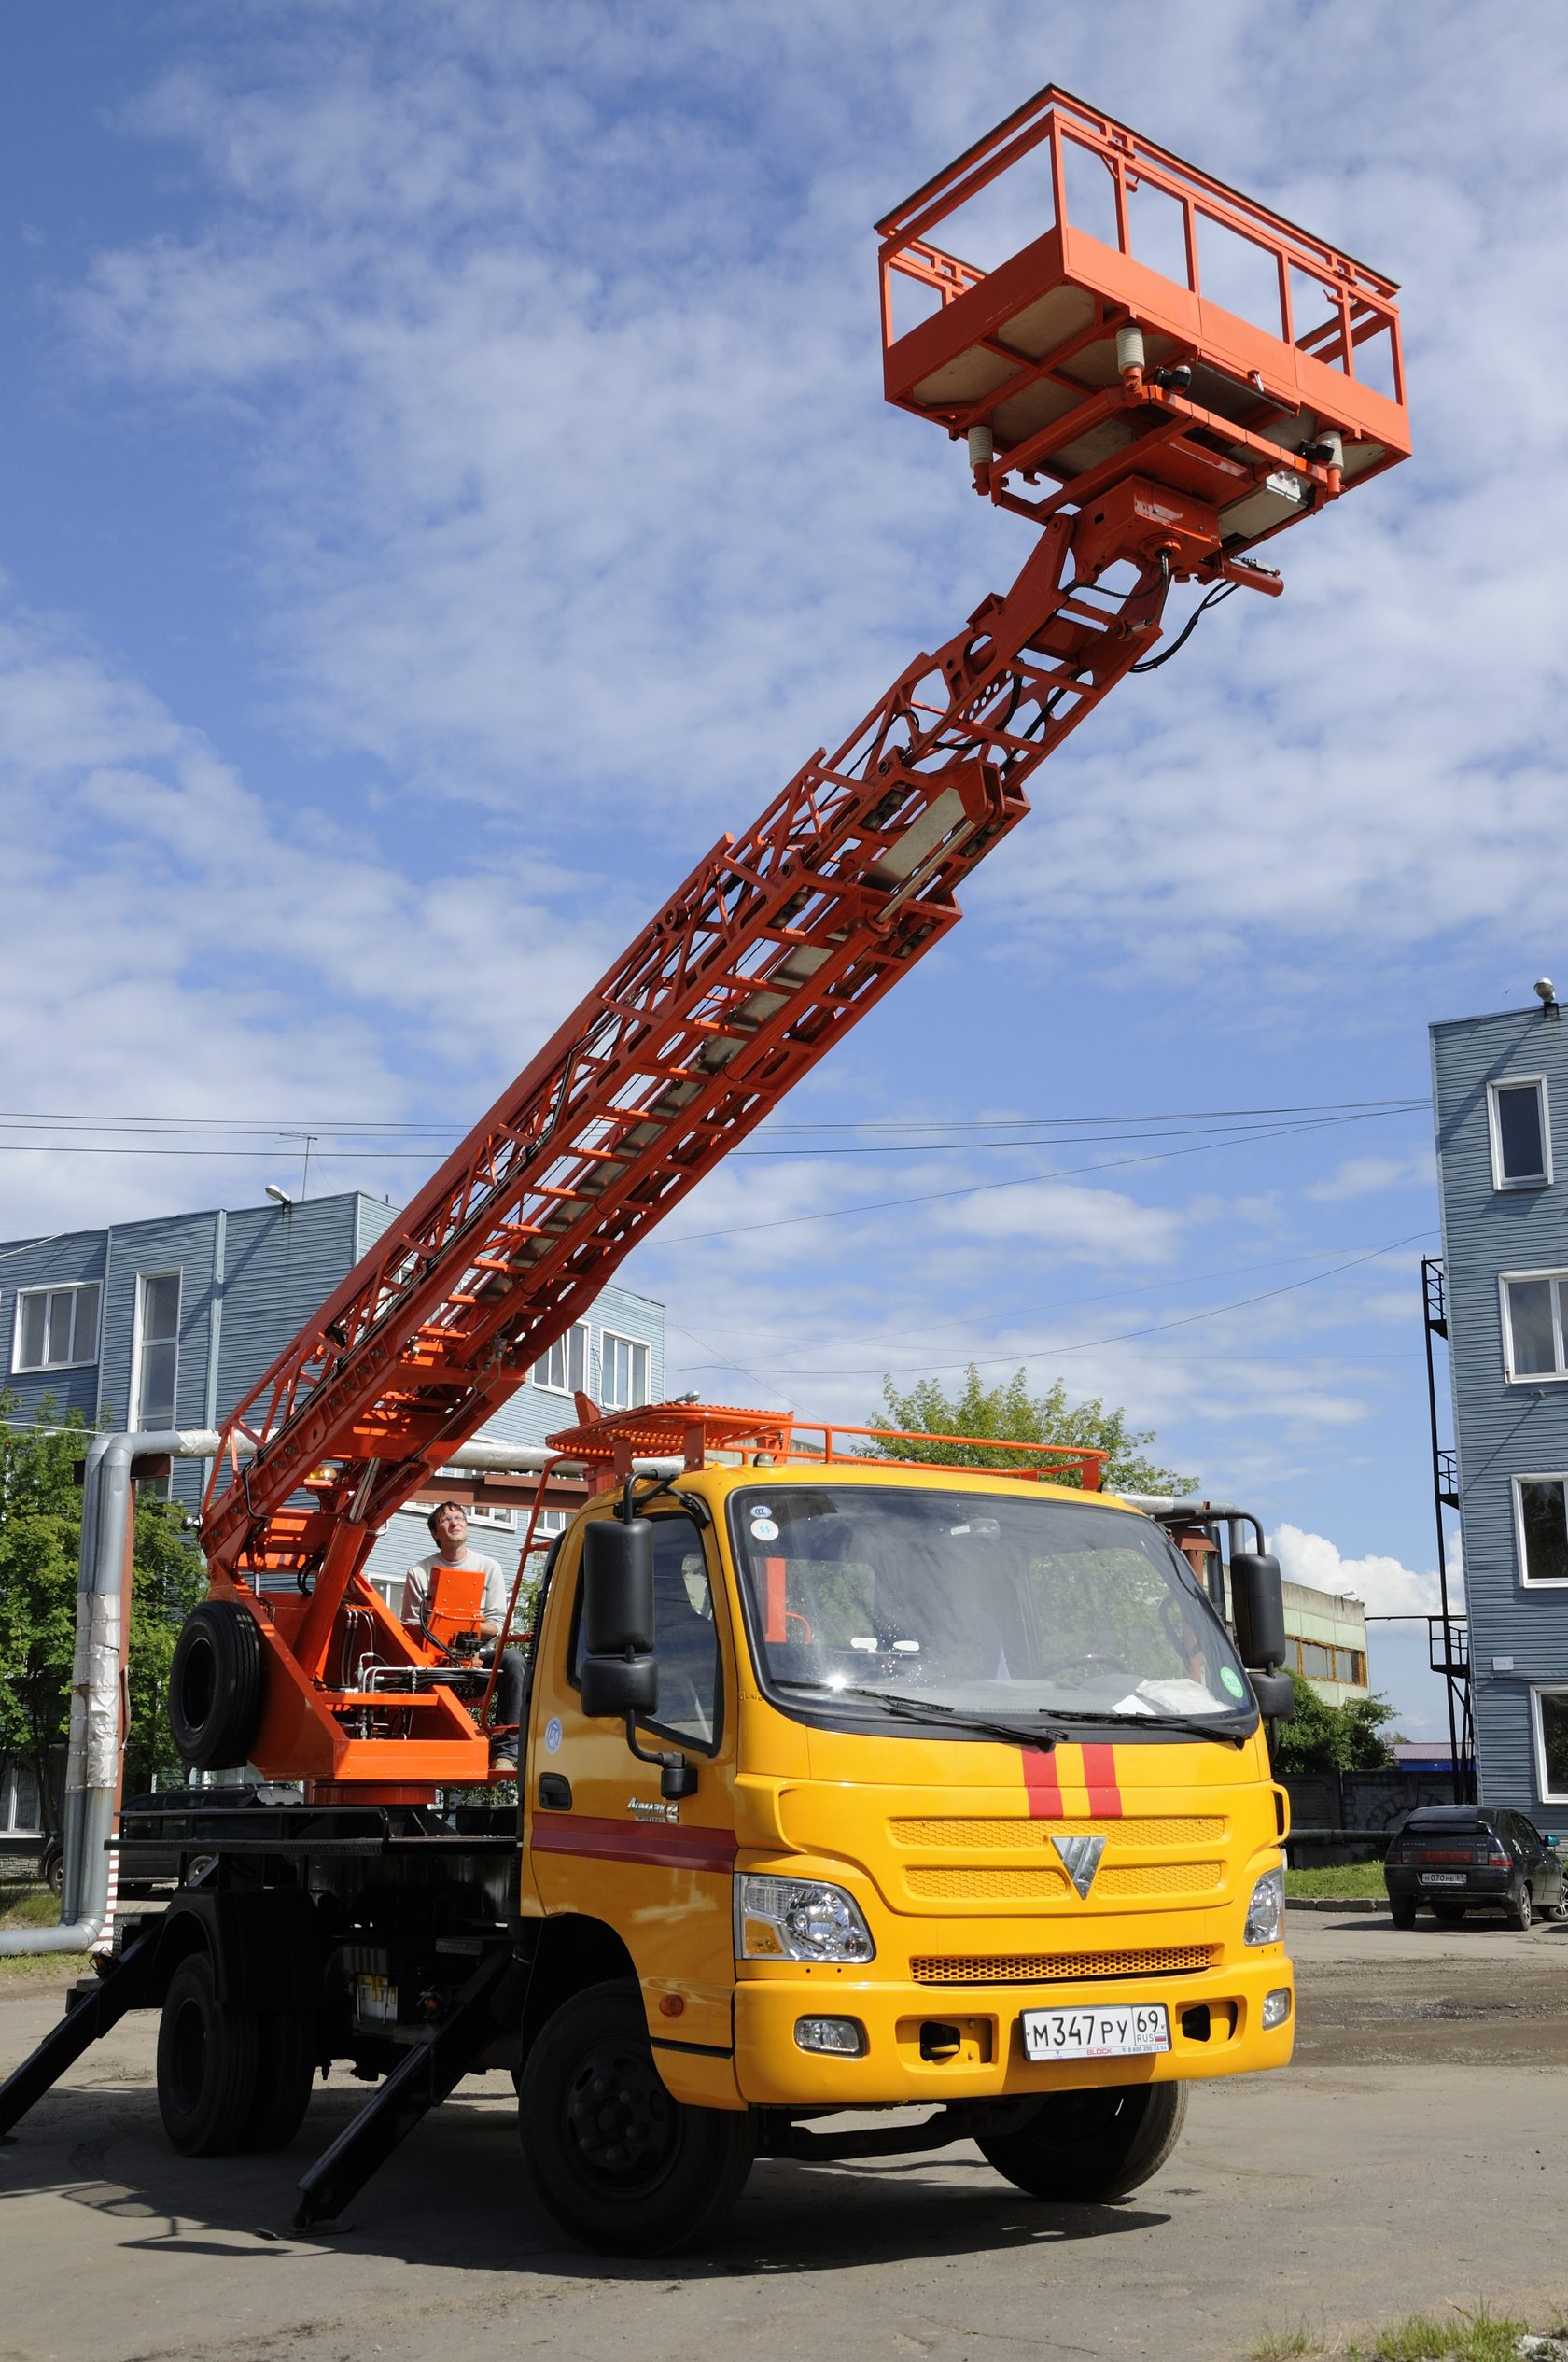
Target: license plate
[1442, 1877]
[1128, 2030]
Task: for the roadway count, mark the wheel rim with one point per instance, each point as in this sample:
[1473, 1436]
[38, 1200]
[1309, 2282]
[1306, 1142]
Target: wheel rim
[619, 2123]
[187, 2056]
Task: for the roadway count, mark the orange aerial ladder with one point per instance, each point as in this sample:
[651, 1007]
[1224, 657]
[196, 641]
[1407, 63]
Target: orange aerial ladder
[1152, 433]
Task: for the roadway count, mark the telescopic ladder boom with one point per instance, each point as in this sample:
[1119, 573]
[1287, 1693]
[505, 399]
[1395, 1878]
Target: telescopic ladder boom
[1175, 435]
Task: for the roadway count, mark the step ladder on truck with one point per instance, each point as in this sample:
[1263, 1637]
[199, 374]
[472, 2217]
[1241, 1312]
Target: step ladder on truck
[853, 1776]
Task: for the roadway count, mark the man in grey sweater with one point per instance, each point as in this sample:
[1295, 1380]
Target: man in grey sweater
[449, 1530]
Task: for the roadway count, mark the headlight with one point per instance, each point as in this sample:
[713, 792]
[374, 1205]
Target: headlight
[797, 1920]
[1266, 1912]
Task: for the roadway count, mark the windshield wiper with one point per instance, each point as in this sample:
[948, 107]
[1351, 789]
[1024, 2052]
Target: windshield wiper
[1206, 1726]
[923, 1709]
[928, 1709]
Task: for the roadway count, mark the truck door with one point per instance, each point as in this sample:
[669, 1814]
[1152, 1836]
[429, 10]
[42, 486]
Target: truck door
[659, 1872]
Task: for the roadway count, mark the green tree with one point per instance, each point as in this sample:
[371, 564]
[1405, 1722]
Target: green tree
[1323, 1738]
[1011, 1414]
[40, 1545]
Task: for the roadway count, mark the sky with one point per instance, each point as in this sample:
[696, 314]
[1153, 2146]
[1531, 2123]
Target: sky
[444, 483]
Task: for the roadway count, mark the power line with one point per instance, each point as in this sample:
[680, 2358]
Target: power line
[1090, 1344]
[214, 1148]
[256, 1127]
[979, 1188]
[1061, 1303]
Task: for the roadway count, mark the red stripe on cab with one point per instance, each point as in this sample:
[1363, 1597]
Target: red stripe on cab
[660, 1843]
[1043, 1784]
[1099, 1777]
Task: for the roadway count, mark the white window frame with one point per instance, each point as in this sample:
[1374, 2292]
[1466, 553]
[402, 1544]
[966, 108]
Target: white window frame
[609, 1338]
[496, 1519]
[1534, 1476]
[577, 1327]
[1494, 1129]
[1559, 1329]
[11, 1784]
[133, 1414]
[21, 1368]
[1538, 1689]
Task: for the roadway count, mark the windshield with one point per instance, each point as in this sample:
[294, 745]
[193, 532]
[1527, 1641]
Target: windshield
[978, 1603]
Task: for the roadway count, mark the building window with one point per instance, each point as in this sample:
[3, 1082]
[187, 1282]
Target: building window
[564, 1368]
[1549, 1713]
[1534, 1324]
[623, 1364]
[20, 1812]
[1317, 1662]
[157, 1349]
[495, 1520]
[56, 1328]
[1541, 1528]
[1520, 1134]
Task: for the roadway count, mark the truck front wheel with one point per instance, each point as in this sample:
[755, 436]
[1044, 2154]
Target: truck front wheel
[1085, 2147]
[620, 2164]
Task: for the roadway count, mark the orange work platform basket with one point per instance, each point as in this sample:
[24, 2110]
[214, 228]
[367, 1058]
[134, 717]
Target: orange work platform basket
[1119, 313]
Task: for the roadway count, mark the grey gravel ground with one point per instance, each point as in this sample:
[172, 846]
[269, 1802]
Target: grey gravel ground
[1412, 2156]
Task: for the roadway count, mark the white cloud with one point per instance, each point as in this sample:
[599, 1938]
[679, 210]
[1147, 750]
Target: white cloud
[1384, 1585]
[564, 450]
[1366, 1176]
[176, 944]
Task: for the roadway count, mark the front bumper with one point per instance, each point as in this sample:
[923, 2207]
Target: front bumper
[988, 2062]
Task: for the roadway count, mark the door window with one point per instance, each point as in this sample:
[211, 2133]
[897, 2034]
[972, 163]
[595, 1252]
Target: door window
[684, 1636]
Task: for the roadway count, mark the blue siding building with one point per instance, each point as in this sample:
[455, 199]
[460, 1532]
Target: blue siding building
[170, 1323]
[1500, 1088]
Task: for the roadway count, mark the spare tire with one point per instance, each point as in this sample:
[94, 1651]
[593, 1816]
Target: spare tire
[216, 1685]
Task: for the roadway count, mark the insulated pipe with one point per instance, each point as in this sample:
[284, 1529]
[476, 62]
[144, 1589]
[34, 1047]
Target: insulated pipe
[92, 1761]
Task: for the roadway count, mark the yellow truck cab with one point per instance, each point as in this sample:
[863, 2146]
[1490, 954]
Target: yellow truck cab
[871, 1785]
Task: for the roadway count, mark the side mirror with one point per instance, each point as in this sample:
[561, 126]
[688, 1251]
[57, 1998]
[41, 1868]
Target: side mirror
[1257, 1607]
[1275, 1694]
[615, 1687]
[620, 1672]
[618, 1588]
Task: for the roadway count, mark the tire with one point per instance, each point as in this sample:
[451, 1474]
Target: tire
[621, 2165]
[209, 2064]
[1402, 1911]
[1519, 1911]
[56, 1879]
[1449, 1913]
[1088, 2147]
[286, 2044]
[216, 1685]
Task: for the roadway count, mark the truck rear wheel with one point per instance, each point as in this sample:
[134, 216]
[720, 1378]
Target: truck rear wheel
[215, 1685]
[1089, 2146]
[620, 2164]
[208, 2064]
[287, 2049]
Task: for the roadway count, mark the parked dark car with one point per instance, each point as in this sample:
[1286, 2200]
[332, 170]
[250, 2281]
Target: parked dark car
[1459, 1858]
[154, 1868]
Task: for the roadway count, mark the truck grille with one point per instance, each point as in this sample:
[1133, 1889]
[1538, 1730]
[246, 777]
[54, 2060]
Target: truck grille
[1051, 1968]
[1198, 1829]
[941, 1884]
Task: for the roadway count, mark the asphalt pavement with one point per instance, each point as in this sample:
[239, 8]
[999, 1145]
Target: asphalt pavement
[1411, 2157]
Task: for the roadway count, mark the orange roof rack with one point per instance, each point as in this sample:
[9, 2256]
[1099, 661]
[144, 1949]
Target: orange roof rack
[696, 1432]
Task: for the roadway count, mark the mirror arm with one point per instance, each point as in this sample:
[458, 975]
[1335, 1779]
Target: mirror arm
[676, 1776]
